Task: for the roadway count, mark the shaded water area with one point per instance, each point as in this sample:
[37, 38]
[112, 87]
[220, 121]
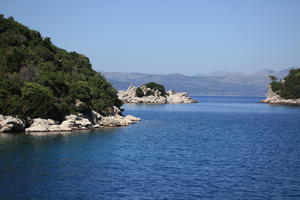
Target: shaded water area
[221, 148]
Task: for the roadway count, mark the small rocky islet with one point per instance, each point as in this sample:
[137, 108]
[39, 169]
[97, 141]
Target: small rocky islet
[153, 93]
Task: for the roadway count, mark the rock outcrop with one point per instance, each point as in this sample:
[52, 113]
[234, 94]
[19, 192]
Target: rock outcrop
[10, 124]
[117, 120]
[130, 96]
[275, 98]
[71, 123]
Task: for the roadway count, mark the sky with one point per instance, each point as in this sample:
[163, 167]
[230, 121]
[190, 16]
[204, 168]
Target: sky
[169, 36]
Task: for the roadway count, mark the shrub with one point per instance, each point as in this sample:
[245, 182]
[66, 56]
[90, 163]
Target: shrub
[139, 92]
[290, 87]
[275, 86]
[38, 101]
[81, 90]
[273, 78]
[149, 93]
[156, 86]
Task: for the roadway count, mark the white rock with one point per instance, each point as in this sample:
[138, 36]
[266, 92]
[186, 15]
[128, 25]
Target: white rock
[180, 97]
[37, 128]
[133, 118]
[2, 118]
[41, 126]
[117, 120]
[10, 124]
[96, 117]
[116, 110]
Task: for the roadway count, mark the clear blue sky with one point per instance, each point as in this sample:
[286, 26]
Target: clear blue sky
[169, 36]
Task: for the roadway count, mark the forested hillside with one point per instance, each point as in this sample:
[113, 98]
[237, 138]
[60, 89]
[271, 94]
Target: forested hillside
[38, 79]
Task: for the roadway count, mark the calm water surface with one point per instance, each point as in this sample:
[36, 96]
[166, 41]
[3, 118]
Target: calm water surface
[222, 148]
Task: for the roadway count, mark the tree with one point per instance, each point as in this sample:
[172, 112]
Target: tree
[38, 101]
[38, 79]
[291, 86]
[139, 92]
[273, 78]
[156, 86]
[149, 93]
[81, 90]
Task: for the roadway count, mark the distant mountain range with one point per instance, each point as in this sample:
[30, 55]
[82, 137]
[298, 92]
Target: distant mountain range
[218, 83]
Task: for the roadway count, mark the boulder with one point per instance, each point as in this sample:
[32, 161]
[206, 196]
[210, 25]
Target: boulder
[180, 97]
[41, 125]
[2, 118]
[116, 111]
[95, 117]
[11, 124]
[110, 121]
[72, 122]
[133, 118]
[76, 122]
[117, 120]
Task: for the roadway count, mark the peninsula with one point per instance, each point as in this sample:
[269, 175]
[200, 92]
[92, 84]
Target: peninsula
[45, 88]
[285, 91]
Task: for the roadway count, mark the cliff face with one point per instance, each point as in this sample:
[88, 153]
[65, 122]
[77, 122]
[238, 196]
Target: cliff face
[275, 98]
[130, 96]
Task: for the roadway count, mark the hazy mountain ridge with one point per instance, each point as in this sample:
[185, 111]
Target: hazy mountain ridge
[219, 83]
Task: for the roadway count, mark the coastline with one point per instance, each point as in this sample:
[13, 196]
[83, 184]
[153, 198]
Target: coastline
[274, 98]
[79, 122]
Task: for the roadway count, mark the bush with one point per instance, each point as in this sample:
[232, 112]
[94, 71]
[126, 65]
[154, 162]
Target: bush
[149, 93]
[273, 78]
[276, 86]
[38, 101]
[81, 90]
[290, 87]
[156, 86]
[139, 92]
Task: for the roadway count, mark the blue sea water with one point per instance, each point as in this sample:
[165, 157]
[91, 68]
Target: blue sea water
[221, 148]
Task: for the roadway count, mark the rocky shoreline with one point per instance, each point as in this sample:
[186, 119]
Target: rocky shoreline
[171, 96]
[93, 120]
[274, 98]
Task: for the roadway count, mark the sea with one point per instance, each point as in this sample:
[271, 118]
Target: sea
[220, 148]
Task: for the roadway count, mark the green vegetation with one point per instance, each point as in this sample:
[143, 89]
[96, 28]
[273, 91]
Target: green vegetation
[149, 93]
[139, 92]
[38, 79]
[276, 86]
[289, 88]
[153, 87]
[156, 86]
